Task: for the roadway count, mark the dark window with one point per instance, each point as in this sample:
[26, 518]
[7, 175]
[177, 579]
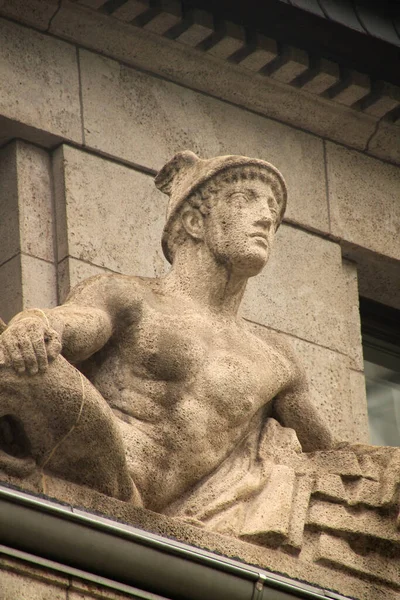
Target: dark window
[380, 326]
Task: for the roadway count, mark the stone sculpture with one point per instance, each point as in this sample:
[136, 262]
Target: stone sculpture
[155, 392]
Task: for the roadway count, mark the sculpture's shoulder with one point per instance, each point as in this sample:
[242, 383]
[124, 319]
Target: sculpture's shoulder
[110, 288]
[278, 343]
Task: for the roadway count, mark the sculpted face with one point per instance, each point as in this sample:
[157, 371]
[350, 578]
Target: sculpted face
[240, 227]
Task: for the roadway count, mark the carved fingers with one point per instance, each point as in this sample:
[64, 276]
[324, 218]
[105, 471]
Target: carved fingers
[29, 345]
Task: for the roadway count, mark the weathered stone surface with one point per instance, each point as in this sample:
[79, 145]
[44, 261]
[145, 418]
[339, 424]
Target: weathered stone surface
[26, 229]
[9, 222]
[141, 108]
[385, 142]
[121, 230]
[36, 13]
[26, 219]
[39, 286]
[81, 590]
[351, 88]
[218, 78]
[330, 388]
[359, 408]
[27, 570]
[329, 375]
[290, 64]
[330, 487]
[353, 582]
[26, 281]
[129, 10]
[336, 552]
[92, 3]
[72, 271]
[378, 275]
[299, 509]
[321, 77]
[354, 348]
[243, 447]
[35, 201]
[15, 585]
[231, 38]
[200, 219]
[11, 288]
[44, 70]
[263, 51]
[366, 523]
[385, 98]
[363, 196]
[11, 130]
[303, 291]
[196, 27]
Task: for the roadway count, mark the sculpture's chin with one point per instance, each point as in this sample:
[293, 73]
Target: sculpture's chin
[252, 264]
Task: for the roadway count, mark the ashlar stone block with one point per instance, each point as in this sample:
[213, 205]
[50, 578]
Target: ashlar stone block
[28, 570]
[26, 209]
[385, 142]
[336, 552]
[15, 585]
[130, 10]
[26, 282]
[72, 271]
[39, 286]
[39, 81]
[108, 215]
[36, 13]
[332, 517]
[221, 79]
[262, 51]
[378, 275]
[303, 291]
[82, 590]
[363, 197]
[27, 270]
[333, 391]
[359, 408]
[9, 223]
[196, 27]
[126, 110]
[11, 288]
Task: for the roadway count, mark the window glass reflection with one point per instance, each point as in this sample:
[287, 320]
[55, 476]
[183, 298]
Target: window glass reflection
[383, 397]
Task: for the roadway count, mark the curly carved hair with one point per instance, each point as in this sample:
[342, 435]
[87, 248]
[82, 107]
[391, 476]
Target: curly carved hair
[203, 199]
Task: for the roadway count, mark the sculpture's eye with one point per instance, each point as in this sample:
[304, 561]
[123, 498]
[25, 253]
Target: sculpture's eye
[240, 197]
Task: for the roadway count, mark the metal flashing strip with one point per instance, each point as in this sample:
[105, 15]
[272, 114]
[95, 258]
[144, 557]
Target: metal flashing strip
[89, 577]
[133, 561]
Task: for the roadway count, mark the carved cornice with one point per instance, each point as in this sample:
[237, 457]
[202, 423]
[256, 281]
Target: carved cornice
[225, 62]
[256, 53]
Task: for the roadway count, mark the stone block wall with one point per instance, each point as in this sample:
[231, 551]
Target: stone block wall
[83, 135]
[19, 580]
[92, 109]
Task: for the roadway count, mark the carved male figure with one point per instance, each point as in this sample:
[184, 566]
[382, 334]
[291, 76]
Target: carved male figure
[170, 379]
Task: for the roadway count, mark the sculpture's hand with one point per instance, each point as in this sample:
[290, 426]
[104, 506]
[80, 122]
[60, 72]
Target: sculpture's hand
[29, 345]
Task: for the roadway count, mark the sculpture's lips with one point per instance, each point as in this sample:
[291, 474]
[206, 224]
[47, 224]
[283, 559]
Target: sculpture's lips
[261, 236]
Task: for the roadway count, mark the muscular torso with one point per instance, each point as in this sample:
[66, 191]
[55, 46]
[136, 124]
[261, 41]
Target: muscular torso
[186, 385]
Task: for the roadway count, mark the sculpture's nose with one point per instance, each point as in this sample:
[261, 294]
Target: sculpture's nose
[265, 222]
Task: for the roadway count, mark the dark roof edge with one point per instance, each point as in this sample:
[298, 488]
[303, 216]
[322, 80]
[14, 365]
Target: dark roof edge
[138, 563]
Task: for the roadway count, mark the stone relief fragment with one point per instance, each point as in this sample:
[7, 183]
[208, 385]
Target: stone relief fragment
[155, 392]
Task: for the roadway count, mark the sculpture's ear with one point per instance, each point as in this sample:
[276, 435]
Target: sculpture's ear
[193, 222]
[180, 162]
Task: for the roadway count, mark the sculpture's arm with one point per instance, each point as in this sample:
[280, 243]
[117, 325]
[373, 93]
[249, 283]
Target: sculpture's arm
[77, 328]
[293, 408]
